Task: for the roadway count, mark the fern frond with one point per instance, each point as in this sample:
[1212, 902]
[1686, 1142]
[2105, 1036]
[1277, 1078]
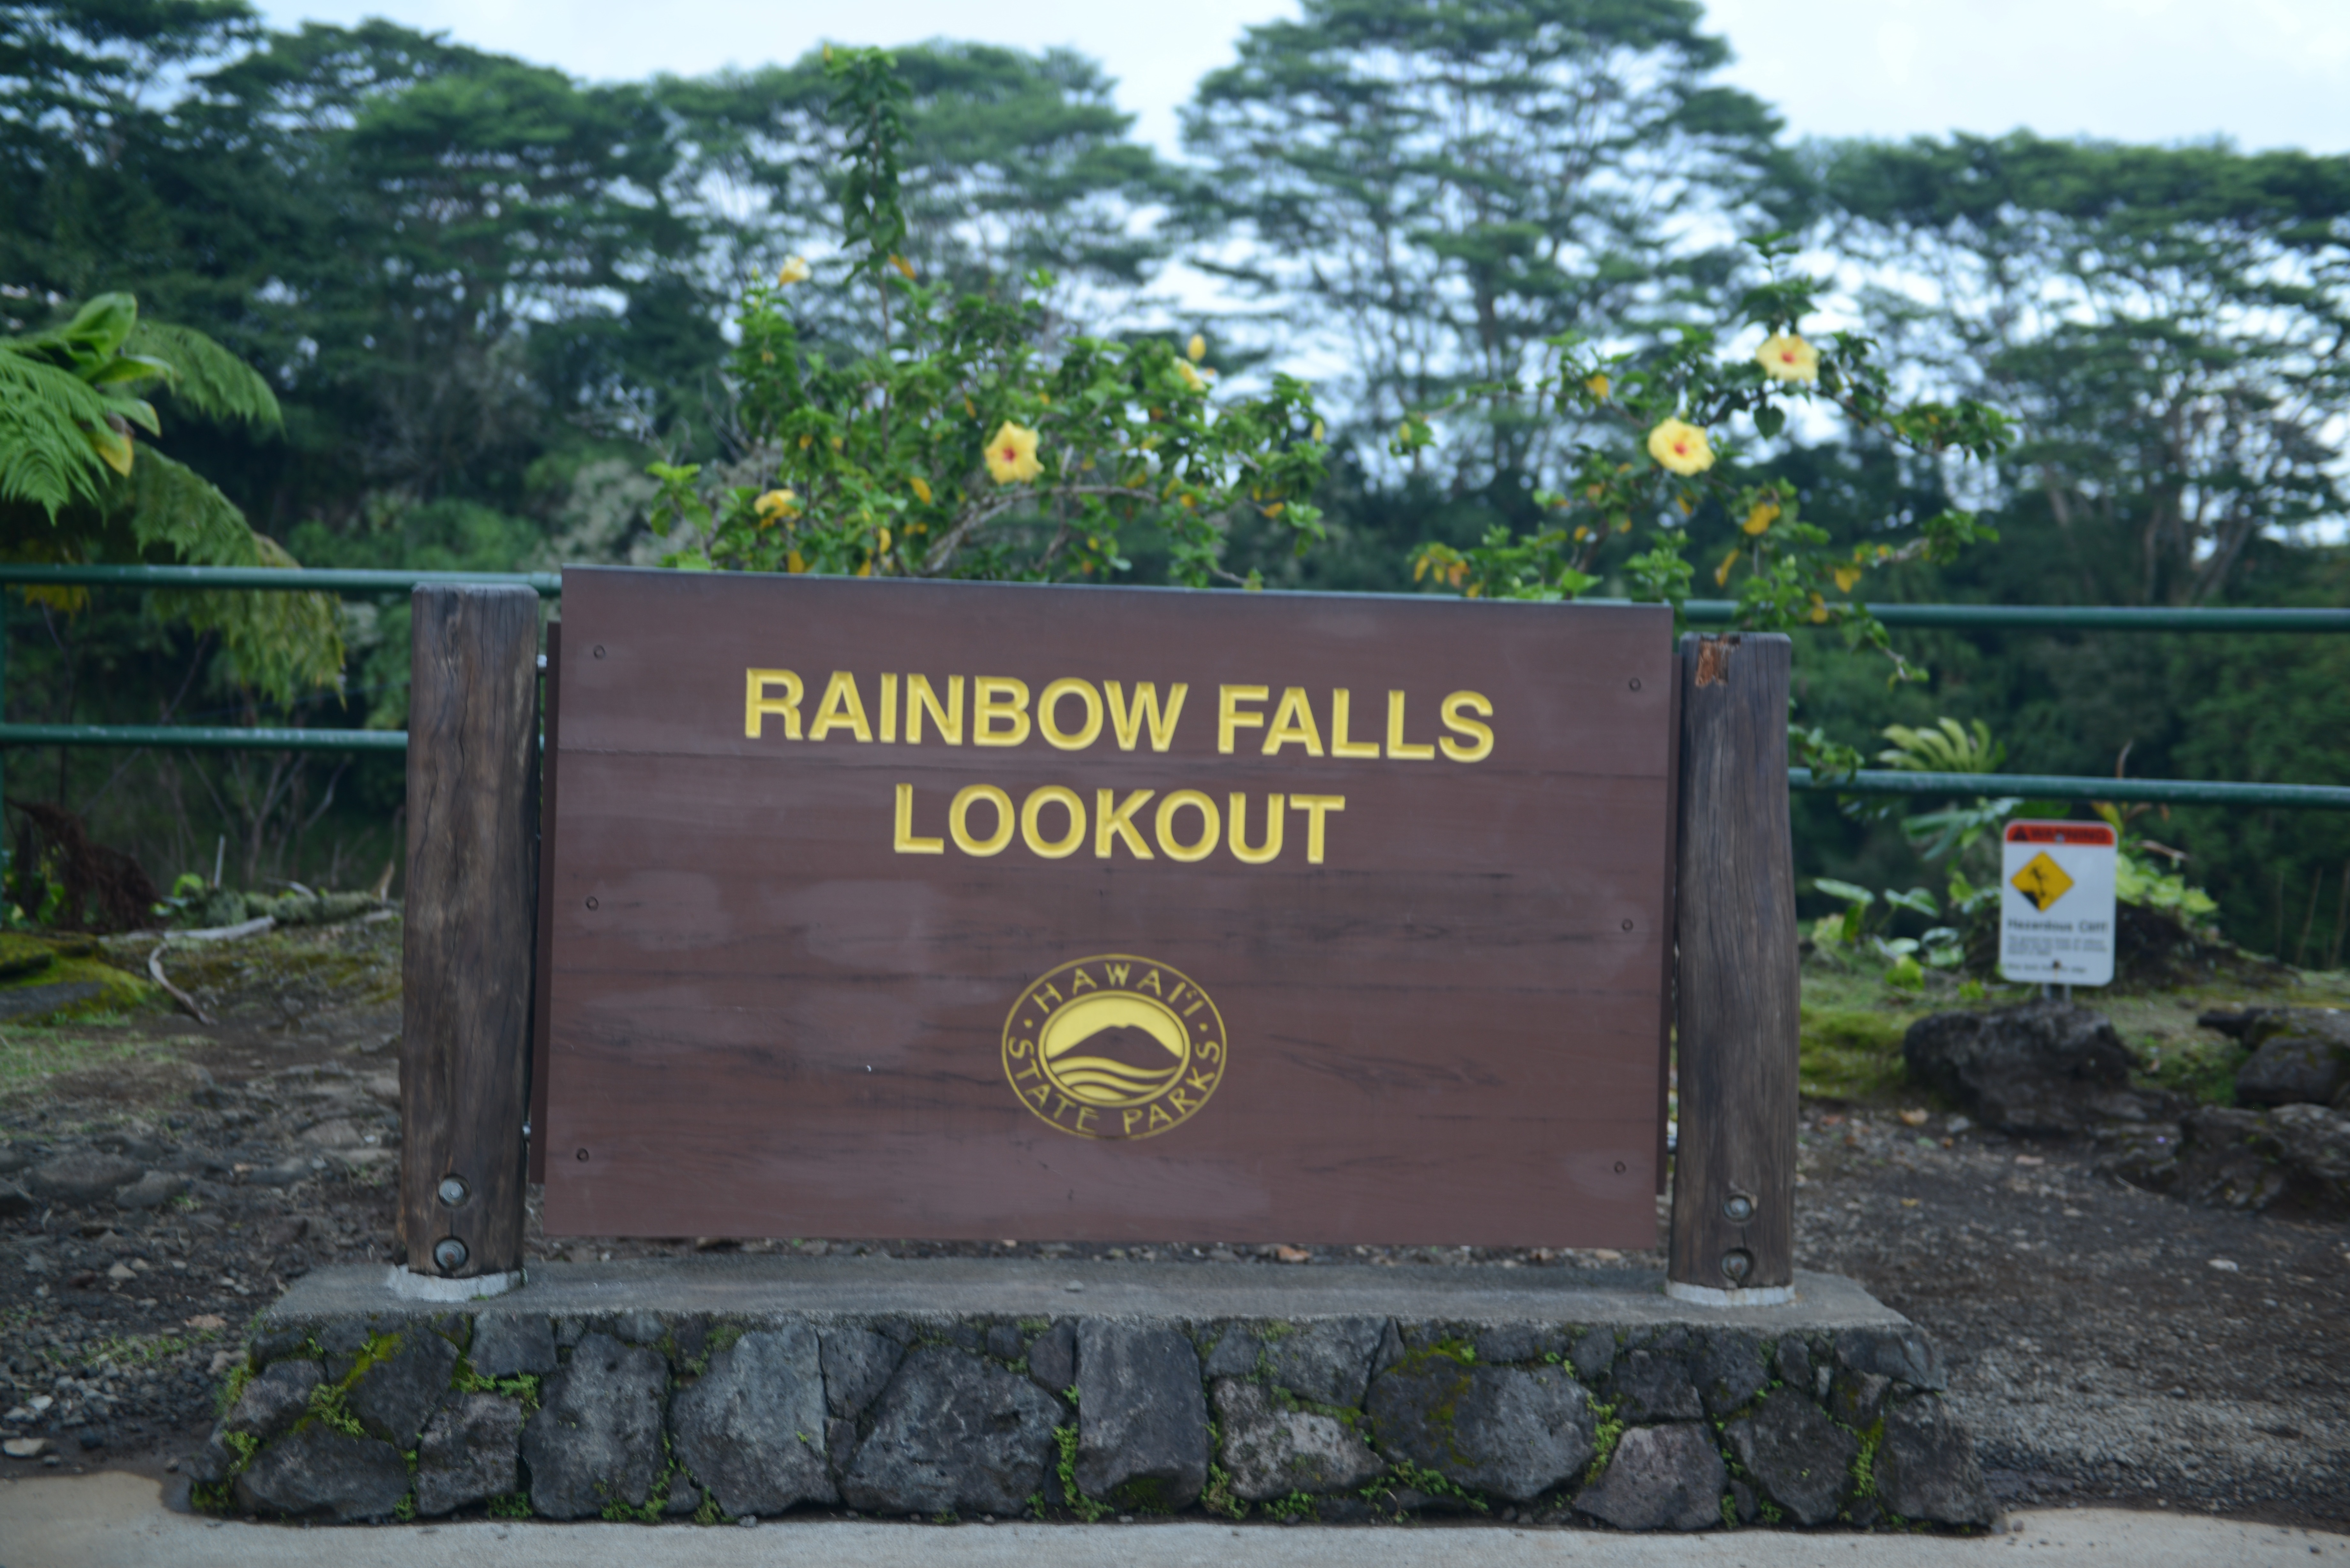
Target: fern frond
[45, 457]
[209, 379]
[280, 644]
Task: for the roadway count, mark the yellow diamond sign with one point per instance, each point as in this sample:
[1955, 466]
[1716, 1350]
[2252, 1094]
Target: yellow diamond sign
[2042, 881]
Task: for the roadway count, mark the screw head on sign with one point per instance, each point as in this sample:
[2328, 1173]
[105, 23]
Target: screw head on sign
[449, 1255]
[582, 1155]
[1627, 925]
[1736, 1265]
[1636, 683]
[591, 901]
[599, 651]
[453, 1191]
[1737, 1208]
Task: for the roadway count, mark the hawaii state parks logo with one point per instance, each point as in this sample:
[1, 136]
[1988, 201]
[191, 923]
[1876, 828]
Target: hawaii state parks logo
[1114, 1047]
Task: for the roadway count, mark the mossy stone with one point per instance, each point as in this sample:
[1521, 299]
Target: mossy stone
[22, 957]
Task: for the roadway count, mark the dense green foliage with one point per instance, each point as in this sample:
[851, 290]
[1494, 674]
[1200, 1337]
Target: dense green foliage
[964, 445]
[488, 299]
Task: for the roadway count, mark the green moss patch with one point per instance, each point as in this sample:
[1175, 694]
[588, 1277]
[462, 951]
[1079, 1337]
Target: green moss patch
[1853, 1054]
[22, 956]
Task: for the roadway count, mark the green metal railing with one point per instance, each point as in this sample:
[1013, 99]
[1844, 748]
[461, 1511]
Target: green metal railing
[2067, 618]
[270, 579]
[1698, 612]
[2052, 786]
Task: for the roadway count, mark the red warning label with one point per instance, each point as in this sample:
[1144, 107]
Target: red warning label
[2086, 832]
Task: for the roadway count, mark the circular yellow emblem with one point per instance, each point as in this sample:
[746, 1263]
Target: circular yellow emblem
[1114, 1047]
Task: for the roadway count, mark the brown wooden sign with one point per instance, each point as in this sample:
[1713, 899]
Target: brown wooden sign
[959, 910]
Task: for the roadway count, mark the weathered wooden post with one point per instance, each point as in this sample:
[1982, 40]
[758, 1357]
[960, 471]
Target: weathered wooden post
[465, 1053]
[1734, 1174]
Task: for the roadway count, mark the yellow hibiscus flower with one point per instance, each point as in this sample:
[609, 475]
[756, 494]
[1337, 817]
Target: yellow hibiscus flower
[1597, 387]
[1197, 350]
[1759, 519]
[795, 270]
[1787, 357]
[1190, 377]
[1011, 455]
[921, 488]
[1681, 447]
[775, 503]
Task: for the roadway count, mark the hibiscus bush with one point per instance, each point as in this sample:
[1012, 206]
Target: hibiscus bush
[1669, 430]
[971, 439]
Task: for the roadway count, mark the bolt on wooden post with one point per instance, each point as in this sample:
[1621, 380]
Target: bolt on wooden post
[465, 980]
[1738, 983]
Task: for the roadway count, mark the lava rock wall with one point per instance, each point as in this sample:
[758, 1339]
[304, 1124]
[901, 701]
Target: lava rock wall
[646, 1416]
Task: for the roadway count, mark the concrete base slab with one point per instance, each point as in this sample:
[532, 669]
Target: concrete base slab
[116, 1520]
[1021, 1287]
[722, 1388]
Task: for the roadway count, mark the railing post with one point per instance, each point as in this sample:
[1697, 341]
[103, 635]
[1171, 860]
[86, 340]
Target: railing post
[473, 756]
[1738, 998]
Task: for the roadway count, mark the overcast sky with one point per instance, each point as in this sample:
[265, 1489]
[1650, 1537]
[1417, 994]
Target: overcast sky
[2266, 73]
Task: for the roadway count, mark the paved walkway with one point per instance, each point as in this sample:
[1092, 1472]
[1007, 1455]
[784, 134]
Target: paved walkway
[116, 1520]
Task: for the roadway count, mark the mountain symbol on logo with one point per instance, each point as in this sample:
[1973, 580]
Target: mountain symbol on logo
[1116, 1066]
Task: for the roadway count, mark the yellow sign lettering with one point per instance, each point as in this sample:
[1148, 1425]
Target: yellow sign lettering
[757, 704]
[1212, 826]
[1260, 854]
[1341, 705]
[1479, 744]
[905, 843]
[1293, 724]
[1315, 806]
[1129, 719]
[998, 699]
[840, 710]
[1031, 812]
[1047, 710]
[1398, 747]
[921, 699]
[1117, 822]
[1230, 716]
[959, 825]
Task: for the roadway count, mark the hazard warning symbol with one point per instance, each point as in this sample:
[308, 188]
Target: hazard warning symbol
[2056, 903]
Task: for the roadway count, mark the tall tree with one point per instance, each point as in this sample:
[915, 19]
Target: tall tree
[474, 231]
[1011, 162]
[1436, 187]
[2169, 326]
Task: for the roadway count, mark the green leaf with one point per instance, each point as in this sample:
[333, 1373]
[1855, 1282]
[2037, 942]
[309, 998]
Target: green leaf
[1917, 899]
[280, 644]
[206, 377]
[46, 413]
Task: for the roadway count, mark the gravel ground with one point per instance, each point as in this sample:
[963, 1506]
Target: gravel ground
[2106, 1344]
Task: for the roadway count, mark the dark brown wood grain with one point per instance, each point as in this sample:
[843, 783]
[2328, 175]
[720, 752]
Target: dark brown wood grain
[1737, 981]
[1671, 870]
[765, 1021]
[543, 946]
[465, 1055]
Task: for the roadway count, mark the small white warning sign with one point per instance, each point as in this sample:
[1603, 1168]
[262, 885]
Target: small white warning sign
[2056, 903]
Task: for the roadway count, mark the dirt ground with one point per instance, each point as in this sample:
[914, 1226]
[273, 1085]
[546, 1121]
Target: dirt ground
[2107, 1343]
